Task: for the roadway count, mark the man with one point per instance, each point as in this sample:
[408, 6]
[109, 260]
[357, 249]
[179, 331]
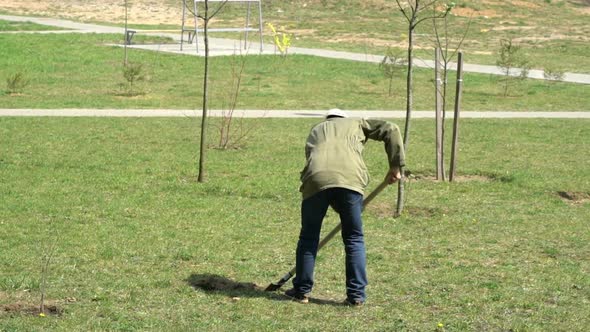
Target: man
[335, 175]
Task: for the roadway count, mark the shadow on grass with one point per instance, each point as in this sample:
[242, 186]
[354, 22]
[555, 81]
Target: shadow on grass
[213, 283]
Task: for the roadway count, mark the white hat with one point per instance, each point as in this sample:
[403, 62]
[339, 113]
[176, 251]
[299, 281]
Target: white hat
[336, 112]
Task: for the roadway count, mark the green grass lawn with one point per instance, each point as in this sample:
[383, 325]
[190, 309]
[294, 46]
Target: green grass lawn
[132, 229]
[24, 26]
[552, 33]
[84, 73]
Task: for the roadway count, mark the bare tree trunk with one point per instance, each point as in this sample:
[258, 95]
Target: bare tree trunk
[47, 255]
[409, 101]
[409, 86]
[201, 177]
[412, 15]
[445, 57]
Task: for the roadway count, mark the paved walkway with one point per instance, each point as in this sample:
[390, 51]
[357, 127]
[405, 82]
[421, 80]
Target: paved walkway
[278, 113]
[220, 46]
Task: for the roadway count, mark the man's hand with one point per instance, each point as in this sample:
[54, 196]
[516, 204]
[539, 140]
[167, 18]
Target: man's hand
[393, 175]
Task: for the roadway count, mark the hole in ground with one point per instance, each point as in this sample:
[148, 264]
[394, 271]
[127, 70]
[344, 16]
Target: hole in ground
[459, 177]
[212, 282]
[52, 309]
[387, 209]
[574, 197]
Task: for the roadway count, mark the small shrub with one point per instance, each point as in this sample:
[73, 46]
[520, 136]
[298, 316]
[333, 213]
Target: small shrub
[281, 39]
[16, 83]
[233, 131]
[511, 58]
[393, 62]
[553, 74]
[132, 73]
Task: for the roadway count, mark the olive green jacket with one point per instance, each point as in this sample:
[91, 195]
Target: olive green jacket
[334, 149]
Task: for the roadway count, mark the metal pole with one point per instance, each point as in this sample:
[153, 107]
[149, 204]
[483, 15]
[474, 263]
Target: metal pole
[183, 20]
[125, 37]
[459, 88]
[260, 24]
[247, 26]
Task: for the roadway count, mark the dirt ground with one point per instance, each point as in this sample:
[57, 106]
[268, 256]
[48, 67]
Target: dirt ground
[165, 11]
[30, 309]
[574, 197]
[140, 11]
[169, 12]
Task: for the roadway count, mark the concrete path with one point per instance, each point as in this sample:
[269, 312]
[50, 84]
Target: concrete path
[220, 46]
[278, 113]
[64, 24]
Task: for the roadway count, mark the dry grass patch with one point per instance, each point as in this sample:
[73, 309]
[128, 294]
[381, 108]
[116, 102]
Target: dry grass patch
[140, 11]
[470, 12]
[524, 4]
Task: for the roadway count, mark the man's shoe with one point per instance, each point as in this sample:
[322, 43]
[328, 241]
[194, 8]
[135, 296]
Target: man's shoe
[296, 296]
[354, 303]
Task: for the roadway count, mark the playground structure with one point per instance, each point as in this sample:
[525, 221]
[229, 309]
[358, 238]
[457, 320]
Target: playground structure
[192, 13]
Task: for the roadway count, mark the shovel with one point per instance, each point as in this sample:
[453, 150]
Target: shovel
[275, 286]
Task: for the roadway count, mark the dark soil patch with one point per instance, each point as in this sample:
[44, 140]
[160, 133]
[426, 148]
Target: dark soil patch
[457, 178]
[212, 282]
[422, 212]
[387, 210]
[52, 309]
[572, 197]
[382, 209]
[477, 178]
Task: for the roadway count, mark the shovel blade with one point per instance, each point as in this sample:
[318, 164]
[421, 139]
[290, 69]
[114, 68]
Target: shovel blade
[276, 285]
[273, 287]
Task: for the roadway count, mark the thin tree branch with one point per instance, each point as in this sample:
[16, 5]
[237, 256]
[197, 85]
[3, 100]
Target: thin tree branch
[429, 4]
[463, 37]
[189, 9]
[237, 82]
[218, 9]
[208, 16]
[402, 10]
[430, 18]
[447, 40]
[437, 41]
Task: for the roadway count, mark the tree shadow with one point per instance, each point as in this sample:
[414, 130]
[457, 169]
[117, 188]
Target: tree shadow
[213, 283]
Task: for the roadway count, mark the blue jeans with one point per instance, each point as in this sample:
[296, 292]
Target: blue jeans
[349, 204]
